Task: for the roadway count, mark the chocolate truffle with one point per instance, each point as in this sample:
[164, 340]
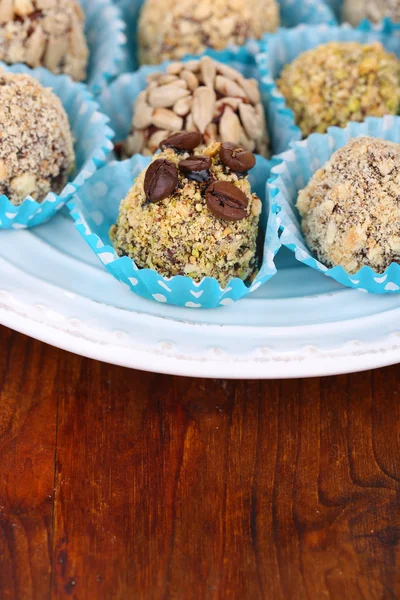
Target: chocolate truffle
[191, 213]
[350, 210]
[200, 95]
[48, 33]
[340, 82]
[36, 151]
[170, 29]
[355, 11]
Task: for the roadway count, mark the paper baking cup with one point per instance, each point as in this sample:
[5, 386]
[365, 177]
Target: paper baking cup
[293, 12]
[336, 7]
[293, 173]
[92, 139]
[95, 208]
[118, 100]
[106, 38]
[283, 47]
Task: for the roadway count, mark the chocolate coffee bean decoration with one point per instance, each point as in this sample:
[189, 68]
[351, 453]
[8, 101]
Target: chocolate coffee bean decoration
[196, 168]
[195, 163]
[226, 201]
[236, 158]
[183, 141]
[160, 180]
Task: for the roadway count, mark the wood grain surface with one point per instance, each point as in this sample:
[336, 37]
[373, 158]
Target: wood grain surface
[118, 484]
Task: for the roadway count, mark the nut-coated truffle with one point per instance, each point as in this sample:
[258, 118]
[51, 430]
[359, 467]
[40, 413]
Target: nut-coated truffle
[208, 226]
[350, 210]
[355, 11]
[36, 151]
[170, 29]
[340, 82]
[48, 33]
[200, 95]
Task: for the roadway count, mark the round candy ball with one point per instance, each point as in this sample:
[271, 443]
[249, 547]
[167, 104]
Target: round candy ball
[170, 29]
[355, 11]
[190, 213]
[36, 150]
[350, 210]
[201, 95]
[48, 33]
[340, 82]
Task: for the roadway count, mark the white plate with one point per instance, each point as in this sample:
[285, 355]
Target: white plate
[299, 324]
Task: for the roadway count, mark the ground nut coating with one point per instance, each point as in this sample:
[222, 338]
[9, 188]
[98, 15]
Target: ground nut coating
[181, 235]
[350, 208]
[200, 96]
[340, 82]
[48, 33]
[170, 29]
[36, 152]
[355, 11]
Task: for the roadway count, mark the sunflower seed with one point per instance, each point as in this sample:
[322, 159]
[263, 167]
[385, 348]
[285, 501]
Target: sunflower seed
[134, 143]
[182, 107]
[190, 78]
[155, 140]
[250, 121]
[230, 129]
[35, 46]
[166, 95]
[167, 119]
[203, 107]
[208, 71]
[250, 86]
[174, 68]
[226, 86]
[143, 113]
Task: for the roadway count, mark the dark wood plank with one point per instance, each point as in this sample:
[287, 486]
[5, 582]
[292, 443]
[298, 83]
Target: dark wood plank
[172, 488]
[28, 407]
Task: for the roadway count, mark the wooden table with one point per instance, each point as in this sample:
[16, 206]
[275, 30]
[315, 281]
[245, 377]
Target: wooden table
[117, 484]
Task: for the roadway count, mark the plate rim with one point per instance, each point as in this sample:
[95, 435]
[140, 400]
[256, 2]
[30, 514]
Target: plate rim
[309, 362]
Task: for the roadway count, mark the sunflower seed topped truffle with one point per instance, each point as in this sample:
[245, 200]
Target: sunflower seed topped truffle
[191, 213]
[355, 11]
[170, 29]
[350, 209]
[203, 96]
[340, 82]
[47, 33]
[36, 151]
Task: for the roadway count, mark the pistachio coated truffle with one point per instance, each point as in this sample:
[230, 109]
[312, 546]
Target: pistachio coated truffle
[355, 11]
[340, 82]
[36, 151]
[192, 212]
[48, 33]
[200, 95]
[170, 29]
[350, 210]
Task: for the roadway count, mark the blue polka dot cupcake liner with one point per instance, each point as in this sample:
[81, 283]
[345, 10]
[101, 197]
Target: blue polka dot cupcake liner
[106, 38]
[92, 143]
[94, 209]
[117, 101]
[293, 173]
[292, 13]
[283, 47]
